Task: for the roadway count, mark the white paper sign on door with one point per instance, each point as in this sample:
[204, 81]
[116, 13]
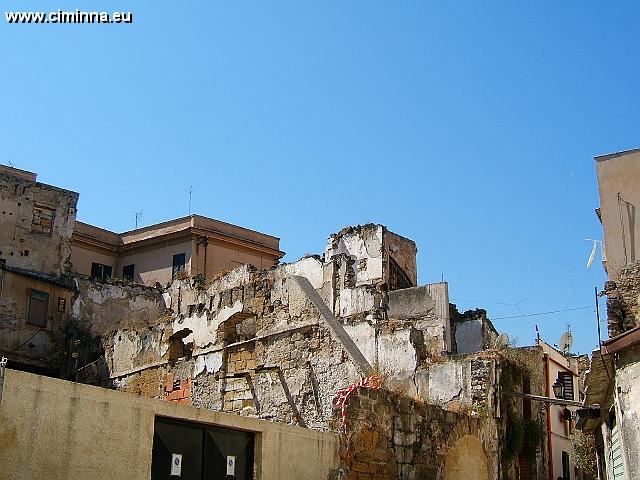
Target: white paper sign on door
[231, 465]
[176, 464]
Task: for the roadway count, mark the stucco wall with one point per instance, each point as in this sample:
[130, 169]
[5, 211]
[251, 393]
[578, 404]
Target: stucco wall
[221, 258]
[55, 429]
[619, 174]
[82, 258]
[155, 265]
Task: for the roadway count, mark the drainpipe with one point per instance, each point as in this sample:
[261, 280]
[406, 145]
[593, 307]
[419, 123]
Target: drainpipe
[548, 393]
[204, 241]
[3, 364]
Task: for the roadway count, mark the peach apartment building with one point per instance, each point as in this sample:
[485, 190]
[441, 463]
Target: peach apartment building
[155, 254]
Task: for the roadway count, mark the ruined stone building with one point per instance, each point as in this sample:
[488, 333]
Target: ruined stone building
[36, 289]
[612, 384]
[282, 343]
[279, 344]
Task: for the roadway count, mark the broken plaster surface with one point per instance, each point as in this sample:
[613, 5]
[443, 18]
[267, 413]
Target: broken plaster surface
[204, 327]
[364, 244]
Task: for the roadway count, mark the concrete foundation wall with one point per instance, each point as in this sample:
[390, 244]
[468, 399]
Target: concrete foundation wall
[52, 429]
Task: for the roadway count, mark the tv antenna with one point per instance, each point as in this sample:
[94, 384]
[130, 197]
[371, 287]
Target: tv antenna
[190, 190]
[566, 341]
[138, 214]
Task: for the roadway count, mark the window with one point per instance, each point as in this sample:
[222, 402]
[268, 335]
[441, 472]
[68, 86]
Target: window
[128, 271]
[37, 308]
[43, 218]
[566, 379]
[99, 271]
[178, 263]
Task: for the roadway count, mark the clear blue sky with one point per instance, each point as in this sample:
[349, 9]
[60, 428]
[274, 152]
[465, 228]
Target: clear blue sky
[469, 127]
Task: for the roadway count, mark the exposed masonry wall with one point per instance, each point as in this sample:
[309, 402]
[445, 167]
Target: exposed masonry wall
[623, 300]
[462, 384]
[392, 436]
[116, 328]
[36, 224]
[276, 344]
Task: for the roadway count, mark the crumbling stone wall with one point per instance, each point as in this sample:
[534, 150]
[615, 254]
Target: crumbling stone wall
[461, 384]
[36, 224]
[623, 300]
[253, 344]
[471, 331]
[115, 328]
[278, 344]
[391, 436]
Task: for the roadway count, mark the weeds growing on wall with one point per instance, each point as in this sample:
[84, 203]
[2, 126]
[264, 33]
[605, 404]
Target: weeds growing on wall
[583, 452]
[513, 438]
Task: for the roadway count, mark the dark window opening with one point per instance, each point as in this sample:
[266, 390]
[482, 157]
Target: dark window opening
[398, 279]
[565, 466]
[100, 271]
[38, 308]
[177, 348]
[566, 379]
[128, 271]
[179, 261]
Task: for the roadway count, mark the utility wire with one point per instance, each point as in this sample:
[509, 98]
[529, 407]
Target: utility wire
[543, 313]
[27, 340]
[547, 285]
[573, 294]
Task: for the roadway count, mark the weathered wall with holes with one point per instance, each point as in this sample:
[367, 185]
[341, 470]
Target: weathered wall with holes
[254, 344]
[36, 223]
[116, 328]
[391, 436]
[275, 344]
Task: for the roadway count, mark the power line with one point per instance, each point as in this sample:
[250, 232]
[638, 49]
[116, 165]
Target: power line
[543, 313]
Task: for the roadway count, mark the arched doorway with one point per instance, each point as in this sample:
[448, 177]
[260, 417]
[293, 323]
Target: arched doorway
[466, 460]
